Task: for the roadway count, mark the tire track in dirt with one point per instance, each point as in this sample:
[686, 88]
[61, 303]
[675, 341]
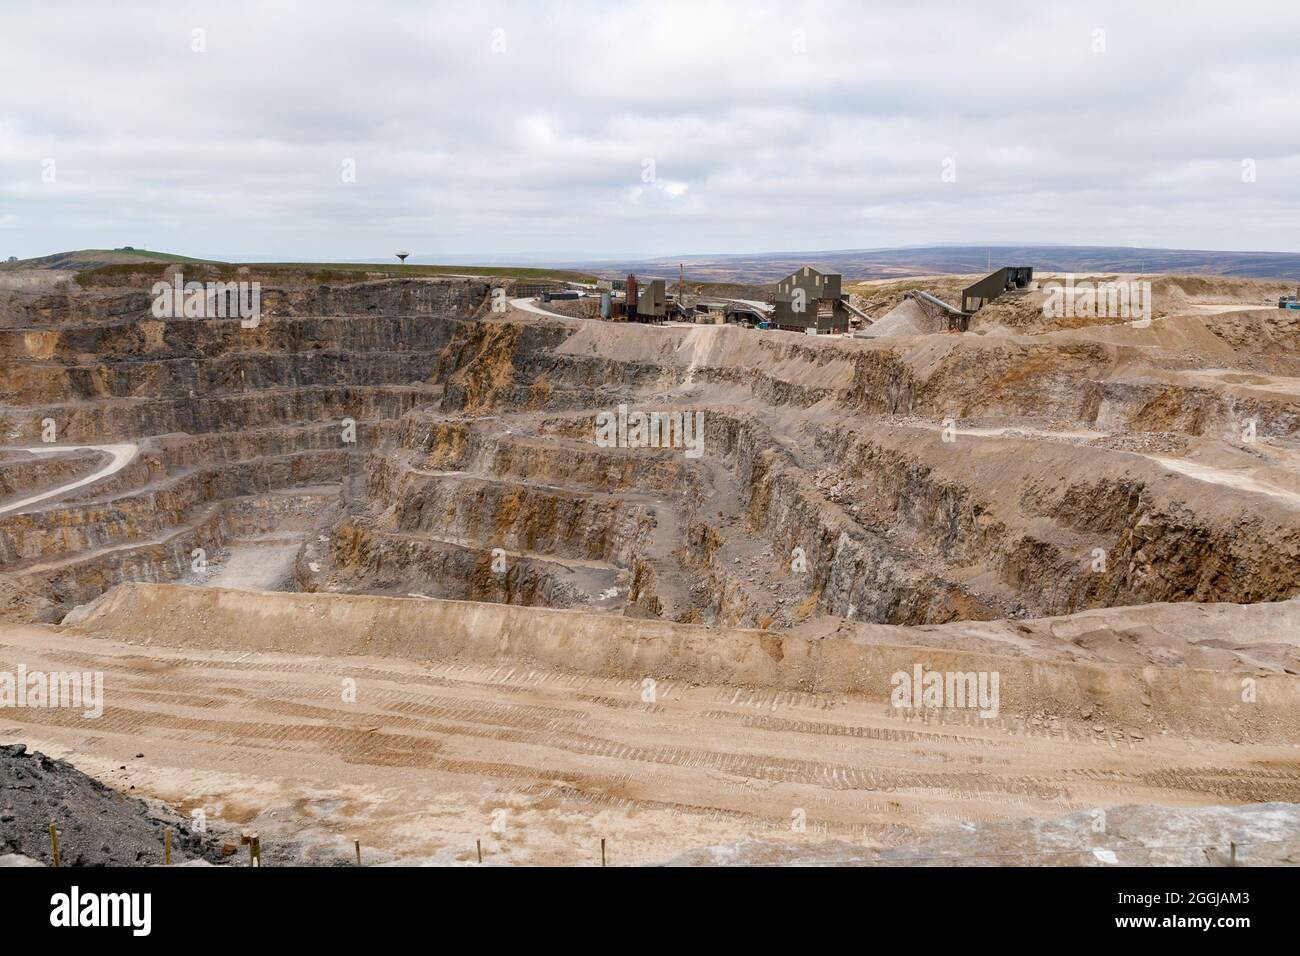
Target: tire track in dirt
[557, 747]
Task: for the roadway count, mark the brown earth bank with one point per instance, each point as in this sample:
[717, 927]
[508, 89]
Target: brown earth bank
[420, 727]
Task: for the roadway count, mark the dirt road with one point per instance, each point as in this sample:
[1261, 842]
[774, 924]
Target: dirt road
[1229, 479]
[427, 758]
[123, 455]
[528, 305]
[1239, 480]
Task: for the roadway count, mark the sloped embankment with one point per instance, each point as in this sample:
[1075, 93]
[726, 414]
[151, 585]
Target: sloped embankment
[1205, 703]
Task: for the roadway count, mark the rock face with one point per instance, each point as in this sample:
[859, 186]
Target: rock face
[22, 472]
[455, 453]
[894, 523]
[221, 417]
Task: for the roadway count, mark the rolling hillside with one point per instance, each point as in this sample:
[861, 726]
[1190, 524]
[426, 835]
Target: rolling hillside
[961, 260]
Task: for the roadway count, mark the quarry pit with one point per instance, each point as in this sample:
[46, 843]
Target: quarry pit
[370, 570]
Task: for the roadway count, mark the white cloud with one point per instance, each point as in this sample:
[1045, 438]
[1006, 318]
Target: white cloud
[757, 145]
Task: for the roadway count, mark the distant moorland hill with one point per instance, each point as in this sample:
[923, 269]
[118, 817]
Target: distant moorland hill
[934, 260]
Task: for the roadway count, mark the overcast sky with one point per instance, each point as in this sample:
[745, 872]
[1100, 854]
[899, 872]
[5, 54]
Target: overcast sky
[570, 130]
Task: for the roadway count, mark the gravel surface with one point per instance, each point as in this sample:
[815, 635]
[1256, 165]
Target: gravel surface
[97, 825]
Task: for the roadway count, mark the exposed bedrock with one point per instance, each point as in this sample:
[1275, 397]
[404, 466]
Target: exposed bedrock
[108, 421]
[184, 377]
[83, 526]
[902, 530]
[24, 471]
[465, 443]
[1031, 520]
[424, 566]
[522, 517]
[219, 414]
[132, 296]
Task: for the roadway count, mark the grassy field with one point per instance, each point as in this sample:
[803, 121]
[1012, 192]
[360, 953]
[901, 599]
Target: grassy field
[307, 273]
[728, 290]
[415, 269]
[115, 267]
[95, 258]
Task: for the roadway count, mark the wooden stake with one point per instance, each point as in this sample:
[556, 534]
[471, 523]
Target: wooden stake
[167, 847]
[479, 843]
[54, 842]
[602, 851]
[357, 844]
[254, 848]
[1232, 861]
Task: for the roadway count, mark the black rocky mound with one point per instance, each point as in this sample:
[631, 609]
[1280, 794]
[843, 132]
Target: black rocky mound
[97, 825]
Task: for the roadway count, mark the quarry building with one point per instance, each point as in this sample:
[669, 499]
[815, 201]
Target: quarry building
[994, 285]
[810, 301]
[651, 301]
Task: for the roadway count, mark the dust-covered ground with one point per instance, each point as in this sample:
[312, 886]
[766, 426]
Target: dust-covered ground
[445, 730]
